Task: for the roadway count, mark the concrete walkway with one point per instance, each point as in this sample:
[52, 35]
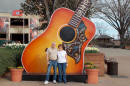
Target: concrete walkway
[123, 79]
[123, 58]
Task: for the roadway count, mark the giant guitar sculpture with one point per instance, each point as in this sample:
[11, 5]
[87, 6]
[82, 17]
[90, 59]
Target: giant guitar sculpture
[66, 27]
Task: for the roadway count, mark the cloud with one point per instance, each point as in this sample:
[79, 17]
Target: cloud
[10, 5]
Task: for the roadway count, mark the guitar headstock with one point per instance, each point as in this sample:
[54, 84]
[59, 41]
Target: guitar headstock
[80, 12]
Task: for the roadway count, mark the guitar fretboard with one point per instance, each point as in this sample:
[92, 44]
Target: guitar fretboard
[79, 13]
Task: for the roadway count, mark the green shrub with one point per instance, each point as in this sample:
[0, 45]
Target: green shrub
[2, 42]
[6, 59]
[17, 52]
[9, 58]
[91, 51]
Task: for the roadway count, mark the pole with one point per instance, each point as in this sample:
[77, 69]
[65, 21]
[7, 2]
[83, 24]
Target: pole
[29, 30]
[9, 21]
[23, 29]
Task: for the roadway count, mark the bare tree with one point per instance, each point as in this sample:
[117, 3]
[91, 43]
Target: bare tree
[127, 37]
[117, 14]
[101, 28]
[45, 8]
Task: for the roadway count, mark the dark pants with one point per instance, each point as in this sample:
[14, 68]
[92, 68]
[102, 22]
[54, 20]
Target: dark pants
[62, 71]
[54, 64]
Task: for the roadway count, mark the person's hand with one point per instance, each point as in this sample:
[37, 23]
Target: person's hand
[67, 64]
[48, 62]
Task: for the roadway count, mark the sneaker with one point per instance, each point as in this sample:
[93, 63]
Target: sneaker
[65, 82]
[54, 81]
[46, 82]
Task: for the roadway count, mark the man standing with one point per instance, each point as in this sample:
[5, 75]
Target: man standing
[52, 61]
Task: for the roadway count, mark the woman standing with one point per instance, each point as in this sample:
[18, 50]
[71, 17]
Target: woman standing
[62, 63]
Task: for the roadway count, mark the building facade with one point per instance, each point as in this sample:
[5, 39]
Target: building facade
[17, 28]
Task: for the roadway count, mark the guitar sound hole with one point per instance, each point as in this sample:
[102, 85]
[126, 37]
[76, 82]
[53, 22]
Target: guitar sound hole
[67, 34]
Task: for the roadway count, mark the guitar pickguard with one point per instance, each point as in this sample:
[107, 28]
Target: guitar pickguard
[73, 49]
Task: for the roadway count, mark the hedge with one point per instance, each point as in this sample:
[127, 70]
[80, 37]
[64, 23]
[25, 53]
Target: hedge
[8, 59]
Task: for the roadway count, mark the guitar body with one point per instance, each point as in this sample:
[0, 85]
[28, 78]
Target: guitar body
[34, 56]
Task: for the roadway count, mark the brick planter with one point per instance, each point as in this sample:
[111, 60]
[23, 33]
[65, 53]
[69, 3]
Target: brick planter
[97, 59]
[127, 47]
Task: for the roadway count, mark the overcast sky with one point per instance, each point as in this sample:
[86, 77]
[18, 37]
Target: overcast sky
[9, 5]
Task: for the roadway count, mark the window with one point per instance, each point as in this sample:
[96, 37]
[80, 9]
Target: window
[2, 35]
[18, 22]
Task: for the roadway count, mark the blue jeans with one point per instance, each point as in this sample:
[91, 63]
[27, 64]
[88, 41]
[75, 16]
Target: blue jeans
[54, 64]
[62, 71]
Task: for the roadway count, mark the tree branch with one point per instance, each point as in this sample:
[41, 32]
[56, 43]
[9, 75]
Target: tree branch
[47, 10]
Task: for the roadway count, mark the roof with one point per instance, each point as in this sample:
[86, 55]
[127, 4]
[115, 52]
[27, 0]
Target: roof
[105, 37]
[24, 16]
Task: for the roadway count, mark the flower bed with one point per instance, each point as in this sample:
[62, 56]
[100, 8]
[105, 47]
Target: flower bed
[15, 45]
[91, 50]
[92, 72]
[127, 47]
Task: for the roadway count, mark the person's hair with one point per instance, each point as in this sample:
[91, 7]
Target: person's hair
[60, 45]
[46, 49]
[53, 43]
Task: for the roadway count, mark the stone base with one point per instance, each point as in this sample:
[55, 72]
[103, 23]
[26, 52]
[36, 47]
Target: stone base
[41, 77]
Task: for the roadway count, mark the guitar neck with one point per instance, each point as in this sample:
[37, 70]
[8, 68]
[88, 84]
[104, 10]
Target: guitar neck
[79, 13]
